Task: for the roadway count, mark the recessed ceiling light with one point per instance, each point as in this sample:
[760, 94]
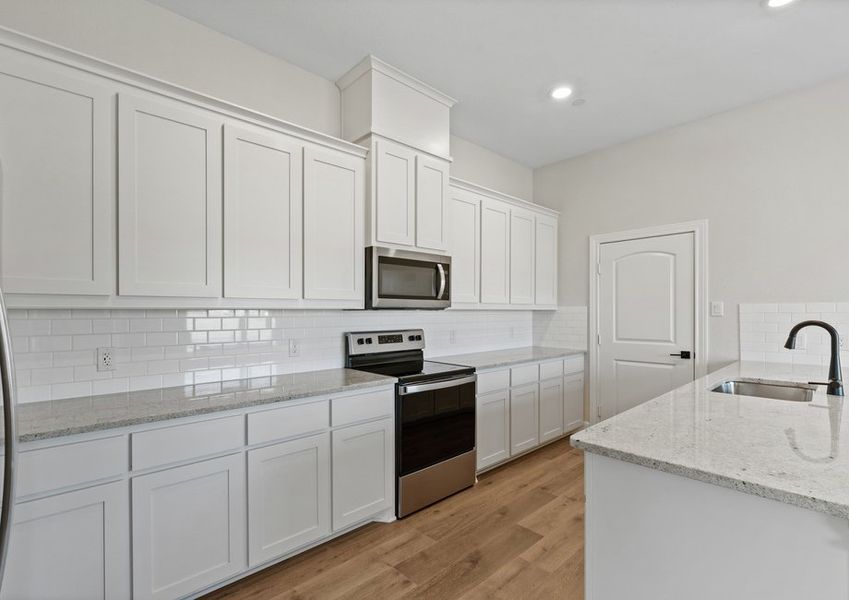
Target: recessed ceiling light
[561, 92]
[778, 3]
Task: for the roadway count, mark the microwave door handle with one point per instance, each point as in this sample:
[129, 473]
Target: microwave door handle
[442, 280]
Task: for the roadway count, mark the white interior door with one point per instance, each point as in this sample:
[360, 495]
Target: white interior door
[646, 315]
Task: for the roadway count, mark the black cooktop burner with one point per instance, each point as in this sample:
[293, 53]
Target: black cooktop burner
[416, 370]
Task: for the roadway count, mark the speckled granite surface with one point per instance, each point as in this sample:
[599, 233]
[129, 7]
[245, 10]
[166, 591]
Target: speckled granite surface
[793, 452]
[42, 420]
[505, 358]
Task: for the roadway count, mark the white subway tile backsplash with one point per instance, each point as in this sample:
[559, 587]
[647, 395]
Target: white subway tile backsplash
[764, 329]
[565, 327]
[55, 350]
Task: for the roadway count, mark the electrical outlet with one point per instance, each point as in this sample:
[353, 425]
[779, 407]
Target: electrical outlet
[512, 332]
[452, 337]
[717, 308]
[105, 359]
[294, 348]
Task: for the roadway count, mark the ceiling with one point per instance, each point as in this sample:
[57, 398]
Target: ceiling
[641, 65]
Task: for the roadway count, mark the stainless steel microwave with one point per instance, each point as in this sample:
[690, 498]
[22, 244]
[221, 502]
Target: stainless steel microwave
[404, 279]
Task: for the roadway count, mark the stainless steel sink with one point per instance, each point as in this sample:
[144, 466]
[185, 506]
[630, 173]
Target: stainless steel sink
[761, 388]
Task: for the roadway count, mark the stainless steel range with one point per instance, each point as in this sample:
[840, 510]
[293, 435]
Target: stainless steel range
[434, 415]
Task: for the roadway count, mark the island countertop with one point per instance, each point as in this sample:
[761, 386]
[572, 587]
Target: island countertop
[57, 418]
[493, 359]
[793, 452]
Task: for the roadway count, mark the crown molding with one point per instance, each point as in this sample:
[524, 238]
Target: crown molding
[71, 58]
[372, 63]
[475, 188]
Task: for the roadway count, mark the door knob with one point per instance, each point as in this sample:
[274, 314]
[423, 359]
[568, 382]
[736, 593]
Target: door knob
[683, 354]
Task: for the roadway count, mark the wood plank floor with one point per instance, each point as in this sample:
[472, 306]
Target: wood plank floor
[519, 533]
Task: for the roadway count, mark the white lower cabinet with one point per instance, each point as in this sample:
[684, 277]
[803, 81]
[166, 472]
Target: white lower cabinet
[573, 402]
[524, 418]
[493, 428]
[71, 546]
[550, 409]
[188, 527]
[363, 473]
[288, 496]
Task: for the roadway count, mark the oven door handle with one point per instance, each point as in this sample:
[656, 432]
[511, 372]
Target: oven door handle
[442, 280]
[404, 390]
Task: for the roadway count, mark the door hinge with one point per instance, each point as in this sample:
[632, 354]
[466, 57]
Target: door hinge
[598, 268]
[598, 340]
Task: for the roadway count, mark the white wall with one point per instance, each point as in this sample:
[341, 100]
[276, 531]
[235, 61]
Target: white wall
[772, 178]
[147, 38]
[477, 164]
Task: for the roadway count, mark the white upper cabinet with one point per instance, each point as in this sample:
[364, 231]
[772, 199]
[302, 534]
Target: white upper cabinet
[465, 228]
[57, 196]
[545, 278]
[522, 250]
[169, 199]
[394, 198]
[262, 214]
[334, 189]
[432, 206]
[495, 252]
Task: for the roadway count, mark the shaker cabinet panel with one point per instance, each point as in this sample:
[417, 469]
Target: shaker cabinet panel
[363, 473]
[334, 191]
[432, 205]
[57, 195]
[524, 418]
[550, 409]
[495, 252]
[522, 250]
[188, 527]
[465, 239]
[573, 402]
[262, 214]
[288, 496]
[493, 428]
[72, 545]
[394, 194]
[545, 276]
[169, 199]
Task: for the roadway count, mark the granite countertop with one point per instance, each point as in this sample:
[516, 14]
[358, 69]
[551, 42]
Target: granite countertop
[793, 452]
[57, 418]
[505, 358]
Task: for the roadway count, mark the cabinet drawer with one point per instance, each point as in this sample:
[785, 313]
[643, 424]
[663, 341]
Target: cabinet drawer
[362, 407]
[71, 464]
[573, 364]
[524, 374]
[184, 442]
[288, 422]
[550, 370]
[494, 381]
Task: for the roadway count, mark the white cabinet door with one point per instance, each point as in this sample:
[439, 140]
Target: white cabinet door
[363, 472]
[334, 189]
[169, 199]
[394, 194]
[188, 527]
[524, 418]
[495, 252]
[263, 221]
[56, 181]
[288, 496]
[493, 428]
[522, 226]
[550, 409]
[465, 226]
[432, 205]
[73, 545]
[545, 278]
[573, 402]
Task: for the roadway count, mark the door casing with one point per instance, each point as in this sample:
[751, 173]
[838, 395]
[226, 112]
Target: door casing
[699, 229]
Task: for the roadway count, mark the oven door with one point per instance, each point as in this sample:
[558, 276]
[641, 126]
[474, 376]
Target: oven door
[435, 422]
[403, 279]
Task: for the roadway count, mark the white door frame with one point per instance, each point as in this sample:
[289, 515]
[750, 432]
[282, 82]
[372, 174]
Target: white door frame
[699, 229]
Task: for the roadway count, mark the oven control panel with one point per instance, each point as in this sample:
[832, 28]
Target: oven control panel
[369, 342]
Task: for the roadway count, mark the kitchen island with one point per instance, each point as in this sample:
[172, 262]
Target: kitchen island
[702, 495]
